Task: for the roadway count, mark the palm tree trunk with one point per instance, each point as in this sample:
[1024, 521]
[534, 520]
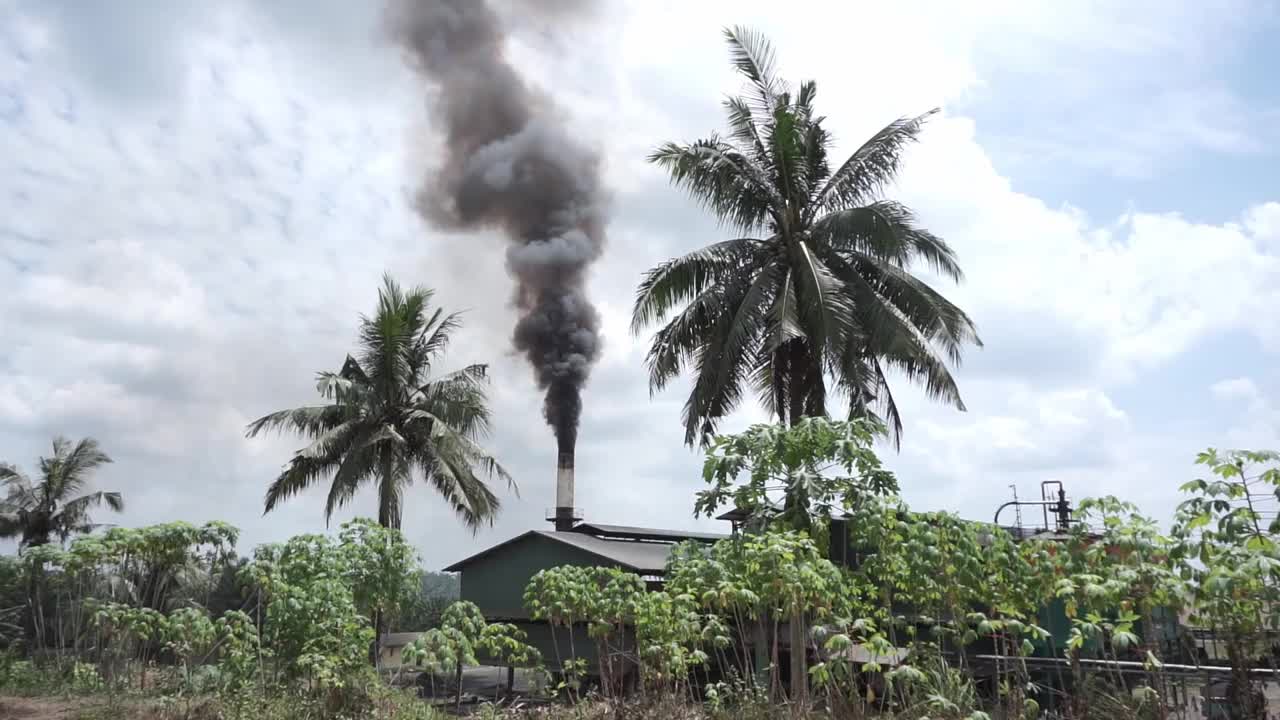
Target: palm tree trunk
[389, 519]
[29, 624]
[797, 396]
[388, 514]
[794, 353]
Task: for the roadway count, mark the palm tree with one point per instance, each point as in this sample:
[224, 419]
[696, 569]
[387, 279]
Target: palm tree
[54, 507]
[387, 419]
[816, 291]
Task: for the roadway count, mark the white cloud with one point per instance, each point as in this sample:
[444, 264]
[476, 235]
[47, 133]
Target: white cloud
[1013, 433]
[1241, 388]
[1263, 222]
[1144, 288]
[1254, 413]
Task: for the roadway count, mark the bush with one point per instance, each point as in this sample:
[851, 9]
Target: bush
[22, 677]
[85, 679]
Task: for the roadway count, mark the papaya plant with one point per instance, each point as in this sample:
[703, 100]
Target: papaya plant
[716, 578]
[794, 478]
[241, 654]
[1143, 560]
[379, 566]
[311, 619]
[191, 637]
[564, 597]
[1231, 560]
[124, 628]
[464, 636]
[671, 640]
[616, 606]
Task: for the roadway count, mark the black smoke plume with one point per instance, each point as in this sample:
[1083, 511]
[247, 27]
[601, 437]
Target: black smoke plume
[509, 163]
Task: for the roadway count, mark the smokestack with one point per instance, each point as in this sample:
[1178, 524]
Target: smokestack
[564, 518]
[508, 162]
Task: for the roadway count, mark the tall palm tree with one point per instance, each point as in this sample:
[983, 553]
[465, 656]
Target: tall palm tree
[37, 512]
[386, 420]
[816, 296]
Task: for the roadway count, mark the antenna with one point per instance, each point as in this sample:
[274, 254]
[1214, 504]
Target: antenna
[1017, 507]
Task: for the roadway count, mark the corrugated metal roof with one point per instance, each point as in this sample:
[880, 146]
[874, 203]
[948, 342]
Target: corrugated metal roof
[643, 557]
[641, 533]
[648, 558]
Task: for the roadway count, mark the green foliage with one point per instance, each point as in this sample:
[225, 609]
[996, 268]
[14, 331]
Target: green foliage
[737, 699]
[51, 508]
[114, 590]
[814, 299]
[605, 599]
[21, 677]
[138, 592]
[1228, 555]
[379, 703]
[379, 566]
[797, 462]
[440, 584]
[191, 636]
[673, 637]
[240, 650]
[131, 623]
[421, 612]
[312, 621]
[13, 600]
[387, 419]
[919, 587]
[1236, 558]
[144, 566]
[85, 678]
[940, 692]
[464, 637]
[321, 596]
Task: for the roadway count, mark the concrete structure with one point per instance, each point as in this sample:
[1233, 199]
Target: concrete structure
[392, 645]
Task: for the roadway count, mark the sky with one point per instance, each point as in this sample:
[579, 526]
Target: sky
[198, 199]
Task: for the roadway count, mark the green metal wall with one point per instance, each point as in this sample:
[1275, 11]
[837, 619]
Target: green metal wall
[496, 583]
[1054, 619]
[556, 646]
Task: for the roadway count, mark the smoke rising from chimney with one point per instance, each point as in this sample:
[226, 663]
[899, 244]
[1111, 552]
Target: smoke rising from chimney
[509, 163]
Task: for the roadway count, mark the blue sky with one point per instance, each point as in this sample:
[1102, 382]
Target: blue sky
[1181, 117]
[198, 198]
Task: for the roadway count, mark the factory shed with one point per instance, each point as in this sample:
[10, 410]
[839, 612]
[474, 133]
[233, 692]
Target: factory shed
[495, 579]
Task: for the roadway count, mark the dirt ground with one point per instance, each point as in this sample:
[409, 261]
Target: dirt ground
[44, 708]
[12, 708]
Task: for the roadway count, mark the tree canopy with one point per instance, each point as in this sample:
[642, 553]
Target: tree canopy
[387, 419]
[53, 506]
[814, 296]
